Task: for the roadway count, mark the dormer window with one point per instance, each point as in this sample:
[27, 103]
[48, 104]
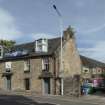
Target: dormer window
[1, 51]
[41, 45]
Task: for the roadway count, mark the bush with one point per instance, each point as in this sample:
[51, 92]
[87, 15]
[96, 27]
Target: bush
[91, 90]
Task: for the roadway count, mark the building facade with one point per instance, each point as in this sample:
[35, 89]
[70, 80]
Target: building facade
[91, 68]
[35, 67]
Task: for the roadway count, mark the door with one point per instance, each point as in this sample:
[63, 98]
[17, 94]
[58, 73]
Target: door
[27, 84]
[47, 86]
[8, 82]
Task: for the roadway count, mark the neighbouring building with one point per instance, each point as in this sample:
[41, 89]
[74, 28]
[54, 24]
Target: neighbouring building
[92, 73]
[91, 68]
[35, 67]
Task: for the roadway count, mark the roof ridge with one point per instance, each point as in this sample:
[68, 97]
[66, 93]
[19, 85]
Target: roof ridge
[34, 41]
[24, 43]
[94, 60]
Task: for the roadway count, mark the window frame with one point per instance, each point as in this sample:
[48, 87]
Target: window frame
[45, 65]
[1, 51]
[27, 65]
[27, 83]
[41, 45]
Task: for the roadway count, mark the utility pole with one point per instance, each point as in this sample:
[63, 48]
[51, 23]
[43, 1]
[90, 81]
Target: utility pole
[61, 34]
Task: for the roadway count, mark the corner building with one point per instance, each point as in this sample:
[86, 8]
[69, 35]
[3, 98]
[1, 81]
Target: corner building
[35, 67]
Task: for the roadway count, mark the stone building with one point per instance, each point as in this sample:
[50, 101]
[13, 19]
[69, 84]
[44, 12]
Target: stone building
[35, 67]
[91, 68]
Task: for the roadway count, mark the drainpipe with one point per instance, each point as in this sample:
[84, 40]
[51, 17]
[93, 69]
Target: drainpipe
[62, 86]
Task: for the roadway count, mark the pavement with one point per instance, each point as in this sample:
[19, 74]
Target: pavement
[64, 100]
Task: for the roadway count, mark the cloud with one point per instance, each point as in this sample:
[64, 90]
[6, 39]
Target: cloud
[97, 51]
[43, 35]
[8, 29]
[96, 29]
[79, 3]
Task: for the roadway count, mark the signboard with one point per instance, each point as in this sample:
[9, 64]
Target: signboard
[8, 65]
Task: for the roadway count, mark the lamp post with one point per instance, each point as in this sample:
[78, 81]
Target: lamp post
[61, 34]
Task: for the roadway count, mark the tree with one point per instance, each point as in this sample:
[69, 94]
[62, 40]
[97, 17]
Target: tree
[103, 75]
[7, 43]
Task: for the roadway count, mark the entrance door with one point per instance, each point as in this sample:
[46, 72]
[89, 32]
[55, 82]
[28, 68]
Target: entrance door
[27, 84]
[47, 86]
[8, 82]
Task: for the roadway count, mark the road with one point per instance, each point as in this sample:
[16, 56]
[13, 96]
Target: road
[64, 101]
[18, 100]
[36, 100]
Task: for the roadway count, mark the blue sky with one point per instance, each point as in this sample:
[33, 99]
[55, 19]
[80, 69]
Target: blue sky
[27, 20]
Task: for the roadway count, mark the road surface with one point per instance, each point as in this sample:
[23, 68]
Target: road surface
[35, 100]
[18, 100]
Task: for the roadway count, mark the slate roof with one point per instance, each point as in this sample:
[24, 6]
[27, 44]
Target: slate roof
[30, 47]
[26, 46]
[52, 45]
[88, 62]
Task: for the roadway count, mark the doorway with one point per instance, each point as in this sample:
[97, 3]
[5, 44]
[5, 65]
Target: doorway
[8, 84]
[27, 84]
[47, 86]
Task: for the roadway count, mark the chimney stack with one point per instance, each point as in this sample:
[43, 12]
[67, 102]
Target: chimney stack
[68, 33]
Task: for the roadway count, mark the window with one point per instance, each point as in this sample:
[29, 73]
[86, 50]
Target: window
[45, 64]
[39, 48]
[98, 69]
[27, 65]
[41, 45]
[94, 71]
[1, 51]
[86, 71]
[27, 84]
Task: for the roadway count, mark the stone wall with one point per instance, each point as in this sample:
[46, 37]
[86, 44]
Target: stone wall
[2, 86]
[17, 82]
[36, 68]
[18, 76]
[72, 85]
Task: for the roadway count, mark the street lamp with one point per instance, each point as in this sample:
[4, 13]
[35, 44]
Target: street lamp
[61, 34]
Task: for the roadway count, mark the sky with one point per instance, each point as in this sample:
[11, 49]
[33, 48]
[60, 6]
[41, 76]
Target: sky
[27, 20]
